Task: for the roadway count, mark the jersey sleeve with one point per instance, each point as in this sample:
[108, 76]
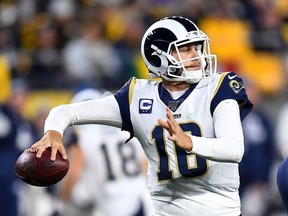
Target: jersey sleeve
[231, 86]
[123, 97]
[103, 111]
[228, 144]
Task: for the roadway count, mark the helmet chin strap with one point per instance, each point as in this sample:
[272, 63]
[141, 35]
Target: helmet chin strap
[193, 76]
[190, 76]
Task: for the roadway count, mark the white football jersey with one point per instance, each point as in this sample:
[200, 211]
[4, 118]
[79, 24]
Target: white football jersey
[113, 175]
[183, 183]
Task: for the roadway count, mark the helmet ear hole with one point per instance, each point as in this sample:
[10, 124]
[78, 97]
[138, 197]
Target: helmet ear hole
[155, 60]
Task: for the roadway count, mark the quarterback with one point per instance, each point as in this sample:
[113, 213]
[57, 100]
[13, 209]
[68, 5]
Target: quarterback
[188, 122]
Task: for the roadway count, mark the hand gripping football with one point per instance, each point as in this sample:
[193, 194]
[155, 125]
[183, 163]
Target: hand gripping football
[41, 171]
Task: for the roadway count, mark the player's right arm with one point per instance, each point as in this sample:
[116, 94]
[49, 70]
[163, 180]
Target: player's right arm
[101, 111]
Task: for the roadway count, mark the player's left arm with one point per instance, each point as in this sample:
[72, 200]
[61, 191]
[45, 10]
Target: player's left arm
[229, 107]
[227, 146]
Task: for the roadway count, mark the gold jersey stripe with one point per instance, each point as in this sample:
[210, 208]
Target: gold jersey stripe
[219, 83]
[131, 89]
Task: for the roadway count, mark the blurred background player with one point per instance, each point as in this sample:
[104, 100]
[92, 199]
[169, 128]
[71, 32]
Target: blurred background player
[282, 160]
[282, 182]
[16, 134]
[259, 152]
[107, 176]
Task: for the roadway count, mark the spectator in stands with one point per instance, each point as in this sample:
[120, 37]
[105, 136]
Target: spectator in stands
[89, 58]
[266, 32]
[47, 69]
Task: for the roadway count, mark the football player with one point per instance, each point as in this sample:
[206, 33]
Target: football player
[105, 173]
[188, 122]
[282, 149]
[282, 176]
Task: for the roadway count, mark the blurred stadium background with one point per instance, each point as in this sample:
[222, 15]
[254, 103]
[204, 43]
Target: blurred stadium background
[46, 41]
[60, 46]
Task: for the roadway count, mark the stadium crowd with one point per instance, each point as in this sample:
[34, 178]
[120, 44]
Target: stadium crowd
[58, 47]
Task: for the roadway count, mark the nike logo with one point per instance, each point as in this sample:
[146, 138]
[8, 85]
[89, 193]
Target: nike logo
[231, 77]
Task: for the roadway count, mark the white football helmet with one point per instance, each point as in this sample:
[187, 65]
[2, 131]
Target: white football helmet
[169, 34]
